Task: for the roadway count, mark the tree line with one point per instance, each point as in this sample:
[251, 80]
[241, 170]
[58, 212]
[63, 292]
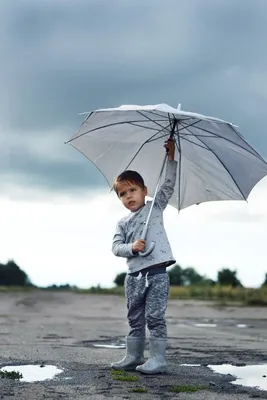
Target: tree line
[12, 275]
[190, 277]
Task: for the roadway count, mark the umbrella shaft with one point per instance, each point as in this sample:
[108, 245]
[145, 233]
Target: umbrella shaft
[154, 198]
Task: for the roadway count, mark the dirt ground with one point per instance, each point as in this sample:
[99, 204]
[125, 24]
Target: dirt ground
[62, 329]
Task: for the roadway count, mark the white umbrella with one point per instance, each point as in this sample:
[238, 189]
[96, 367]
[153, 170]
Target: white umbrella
[215, 162]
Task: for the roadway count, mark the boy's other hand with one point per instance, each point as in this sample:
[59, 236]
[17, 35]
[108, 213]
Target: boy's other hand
[138, 245]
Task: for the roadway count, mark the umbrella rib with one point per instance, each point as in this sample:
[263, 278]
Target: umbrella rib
[160, 137]
[92, 163]
[178, 145]
[144, 127]
[227, 170]
[101, 127]
[241, 137]
[227, 140]
[142, 145]
[151, 120]
[174, 116]
[195, 144]
[181, 121]
[192, 124]
[89, 115]
[195, 135]
[155, 113]
[166, 128]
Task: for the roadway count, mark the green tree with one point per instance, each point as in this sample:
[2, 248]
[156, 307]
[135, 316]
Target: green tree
[191, 277]
[119, 280]
[176, 276]
[227, 277]
[187, 277]
[12, 275]
[208, 281]
[265, 281]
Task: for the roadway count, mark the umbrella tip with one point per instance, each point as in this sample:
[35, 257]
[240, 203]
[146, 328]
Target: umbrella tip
[179, 107]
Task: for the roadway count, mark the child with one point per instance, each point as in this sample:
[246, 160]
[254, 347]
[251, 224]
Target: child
[147, 282]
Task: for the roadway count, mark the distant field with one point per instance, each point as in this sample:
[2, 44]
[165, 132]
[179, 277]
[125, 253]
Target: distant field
[221, 294]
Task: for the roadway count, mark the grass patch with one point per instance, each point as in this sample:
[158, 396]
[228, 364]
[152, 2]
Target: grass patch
[119, 375]
[115, 372]
[188, 388]
[222, 294]
[256, 301]
[138, 390]
[126, 378]
[10, 375]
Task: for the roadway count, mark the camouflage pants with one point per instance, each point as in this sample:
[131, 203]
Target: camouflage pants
[147, 305]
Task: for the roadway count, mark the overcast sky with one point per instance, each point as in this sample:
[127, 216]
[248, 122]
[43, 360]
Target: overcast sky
[65, 57]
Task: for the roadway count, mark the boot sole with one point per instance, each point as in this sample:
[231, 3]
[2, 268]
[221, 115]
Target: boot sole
[131, 367]
[163, 371]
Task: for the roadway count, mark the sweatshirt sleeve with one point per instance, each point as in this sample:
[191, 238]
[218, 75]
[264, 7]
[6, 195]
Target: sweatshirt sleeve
[167, 188]
[119, 247]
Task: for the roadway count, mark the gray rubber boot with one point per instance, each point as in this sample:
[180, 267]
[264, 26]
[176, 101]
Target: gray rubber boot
[156, 364]
[135, 347]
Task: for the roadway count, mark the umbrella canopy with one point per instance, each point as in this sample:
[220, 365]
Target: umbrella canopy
[215, 162]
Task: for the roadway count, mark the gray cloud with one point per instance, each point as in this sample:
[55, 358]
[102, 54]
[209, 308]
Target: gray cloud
[61, 58]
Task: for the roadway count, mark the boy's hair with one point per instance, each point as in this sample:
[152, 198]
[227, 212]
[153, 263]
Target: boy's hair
[129, 177]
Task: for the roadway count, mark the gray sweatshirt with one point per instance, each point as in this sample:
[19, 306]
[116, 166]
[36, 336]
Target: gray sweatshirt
[130, 227]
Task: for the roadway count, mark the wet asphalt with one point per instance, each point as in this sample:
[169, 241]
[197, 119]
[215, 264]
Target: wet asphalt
[63, 329]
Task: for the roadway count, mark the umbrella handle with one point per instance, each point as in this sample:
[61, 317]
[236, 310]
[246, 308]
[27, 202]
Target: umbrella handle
[151, 246]
[149, 250]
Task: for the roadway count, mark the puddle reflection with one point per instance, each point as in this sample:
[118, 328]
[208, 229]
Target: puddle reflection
[249, 375]
[34, 373]
[111, 346]
[190, 365]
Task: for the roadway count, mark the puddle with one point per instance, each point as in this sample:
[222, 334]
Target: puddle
[190, 365]
[34, 373]
[206, 325]
[104, 344]
[249, 375]
[111, 346]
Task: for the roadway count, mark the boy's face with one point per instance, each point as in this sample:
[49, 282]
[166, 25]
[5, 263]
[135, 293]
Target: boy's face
[131, 195]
